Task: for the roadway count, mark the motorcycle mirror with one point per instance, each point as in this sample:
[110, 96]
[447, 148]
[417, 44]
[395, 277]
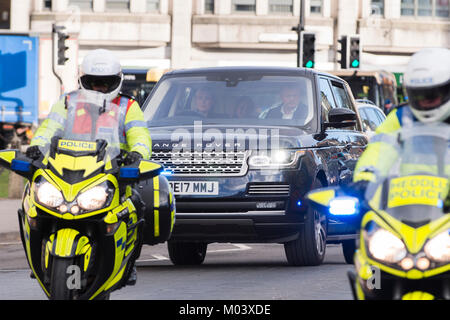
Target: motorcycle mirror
[322, 196]
[143, 170]
[6, 158]
[17, 162]
[149, 169]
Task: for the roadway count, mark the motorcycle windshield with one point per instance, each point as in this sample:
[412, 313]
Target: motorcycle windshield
[91, 124]
[415, 178]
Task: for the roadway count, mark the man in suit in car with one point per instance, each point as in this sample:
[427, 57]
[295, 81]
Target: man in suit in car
[290, 107]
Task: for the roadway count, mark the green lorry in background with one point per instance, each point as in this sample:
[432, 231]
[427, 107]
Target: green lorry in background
[380, 87]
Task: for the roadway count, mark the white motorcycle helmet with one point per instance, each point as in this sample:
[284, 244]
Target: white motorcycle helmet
[101, 72]
[427, 81]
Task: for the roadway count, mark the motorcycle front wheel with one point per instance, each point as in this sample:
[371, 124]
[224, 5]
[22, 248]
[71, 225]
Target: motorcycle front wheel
[64, 280]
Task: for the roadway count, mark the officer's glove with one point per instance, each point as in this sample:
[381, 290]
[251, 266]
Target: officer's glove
[33, 152]
[133, 157]
[356, 189]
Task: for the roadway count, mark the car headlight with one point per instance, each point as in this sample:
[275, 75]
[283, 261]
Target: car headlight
[93, 198]
[438, 248]
[48, 195]
[385, 246]
[275, 159]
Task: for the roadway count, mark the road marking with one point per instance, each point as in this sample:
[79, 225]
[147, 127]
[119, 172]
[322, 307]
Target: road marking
[240, 247]
[9, 243]
[158, 257]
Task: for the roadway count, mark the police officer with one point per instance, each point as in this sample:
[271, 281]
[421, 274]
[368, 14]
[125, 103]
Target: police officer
[427, 81]
[101, 71]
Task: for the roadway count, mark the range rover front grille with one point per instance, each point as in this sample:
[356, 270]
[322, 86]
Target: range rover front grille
[268, 189]
[203, 163]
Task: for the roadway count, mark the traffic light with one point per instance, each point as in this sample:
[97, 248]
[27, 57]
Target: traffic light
[62, 48]
[308, 41]
[355, 52]
[344, 52]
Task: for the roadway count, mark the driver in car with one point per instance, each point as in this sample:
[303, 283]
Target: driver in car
[290, 107]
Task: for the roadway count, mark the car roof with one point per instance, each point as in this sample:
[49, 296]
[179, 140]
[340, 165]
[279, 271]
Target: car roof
[367, 101]
[367, 105]
[256, 69]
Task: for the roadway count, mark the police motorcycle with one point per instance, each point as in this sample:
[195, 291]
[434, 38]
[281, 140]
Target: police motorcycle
[82, 224]
[403, 251]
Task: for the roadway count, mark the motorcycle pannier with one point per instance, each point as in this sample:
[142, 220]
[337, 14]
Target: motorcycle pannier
[159, 212]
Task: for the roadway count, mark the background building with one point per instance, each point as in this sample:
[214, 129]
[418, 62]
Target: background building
[197, 33]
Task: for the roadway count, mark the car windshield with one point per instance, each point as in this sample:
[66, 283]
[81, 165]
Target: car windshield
[416, 172]
[235, 98]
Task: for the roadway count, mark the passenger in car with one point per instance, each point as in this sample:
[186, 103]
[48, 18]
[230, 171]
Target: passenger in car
[290, 107]
[204, 104]
[245, 108]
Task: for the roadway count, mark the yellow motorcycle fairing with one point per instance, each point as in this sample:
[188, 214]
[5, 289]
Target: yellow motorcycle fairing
[413, 238]
[68, 242]
[88, 164]
[418, 295]
[7, 156]
[71, 191]
[322, 197]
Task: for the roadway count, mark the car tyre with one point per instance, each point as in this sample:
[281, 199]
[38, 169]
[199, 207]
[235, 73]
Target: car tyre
[349, 249]
[309, 248]
[187, 253]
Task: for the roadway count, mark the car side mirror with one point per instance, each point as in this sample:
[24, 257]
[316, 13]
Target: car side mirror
[340, 118]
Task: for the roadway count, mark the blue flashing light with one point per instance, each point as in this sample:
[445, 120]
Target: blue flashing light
[20, 165]
[344, 206]
[167, 173]
[129, 173]
[299, 203]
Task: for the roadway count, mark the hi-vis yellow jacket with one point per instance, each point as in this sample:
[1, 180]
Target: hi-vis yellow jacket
[379, 153]
[134, 134]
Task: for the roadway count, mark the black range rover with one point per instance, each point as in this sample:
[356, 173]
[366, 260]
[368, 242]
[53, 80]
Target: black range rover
[241, 146]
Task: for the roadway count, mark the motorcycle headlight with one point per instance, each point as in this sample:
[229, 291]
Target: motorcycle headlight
[93, 198]
[385, 246]
[274, 159]
[438, 248]
[48, 195]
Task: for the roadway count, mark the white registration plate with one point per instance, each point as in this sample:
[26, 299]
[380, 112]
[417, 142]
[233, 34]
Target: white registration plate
[195, 187]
